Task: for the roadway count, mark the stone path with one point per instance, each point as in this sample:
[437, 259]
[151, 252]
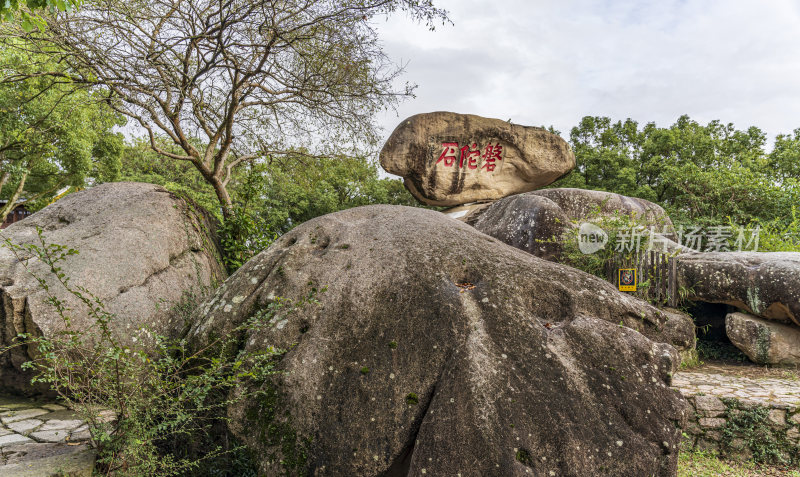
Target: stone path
[42, 439]
[749, 384]
[712, 417]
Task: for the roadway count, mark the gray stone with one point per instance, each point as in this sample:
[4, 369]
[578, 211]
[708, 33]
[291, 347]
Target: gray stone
[25, 426]
[80, 435]
[14, 416]
[56, 424]
[709, 403]
[425, 150]
[765, 284]
[140, 249]
[693, 429]
[591, 205]
[50, 436]
[47, 460]
[503, 353]
[764, 341]
[711, 422]
[11, 439]
[777, 417]
[528, 222]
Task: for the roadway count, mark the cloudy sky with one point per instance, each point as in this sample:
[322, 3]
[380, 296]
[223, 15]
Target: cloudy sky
[551, 62]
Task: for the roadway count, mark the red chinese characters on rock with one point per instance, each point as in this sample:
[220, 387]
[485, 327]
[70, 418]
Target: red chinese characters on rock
[490, 155]
[448, 153]
[469, 156]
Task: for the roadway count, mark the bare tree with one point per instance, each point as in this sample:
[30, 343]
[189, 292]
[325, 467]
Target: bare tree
[232, 81]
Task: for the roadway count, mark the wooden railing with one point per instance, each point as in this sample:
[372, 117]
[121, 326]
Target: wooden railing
[655, 272]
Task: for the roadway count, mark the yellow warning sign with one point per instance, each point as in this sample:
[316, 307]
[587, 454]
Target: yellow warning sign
[627, 279]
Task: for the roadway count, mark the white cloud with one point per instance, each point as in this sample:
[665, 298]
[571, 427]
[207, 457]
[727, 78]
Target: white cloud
[553, 62]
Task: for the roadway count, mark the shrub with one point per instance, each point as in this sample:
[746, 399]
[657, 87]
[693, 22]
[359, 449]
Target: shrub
[156, 409]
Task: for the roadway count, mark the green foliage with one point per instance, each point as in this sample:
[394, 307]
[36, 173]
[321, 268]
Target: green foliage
[719, 351]
[752, 425]
[51, 134]
[614, 224]
[702, 463]
[412, 399]
[690, 359]
[699, 174]
[269, 200]
[776, 235]
[153, 407]
[295, 191]
[26, 12]
[139, 163]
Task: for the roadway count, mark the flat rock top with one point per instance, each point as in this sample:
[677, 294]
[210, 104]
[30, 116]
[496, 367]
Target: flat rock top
[450, 159]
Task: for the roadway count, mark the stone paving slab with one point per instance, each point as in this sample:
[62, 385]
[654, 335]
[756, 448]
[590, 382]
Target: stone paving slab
[42, 439]
[728, 382]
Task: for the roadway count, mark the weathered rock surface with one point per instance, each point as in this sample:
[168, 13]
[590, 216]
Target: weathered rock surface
[451, 159]
[764, 341]
[537, 221]
[528, 222]
[766, 284]
[140, 249]
[583, 204]
[439, 350]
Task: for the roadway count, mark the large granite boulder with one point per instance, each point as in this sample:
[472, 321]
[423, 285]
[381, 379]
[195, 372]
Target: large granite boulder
[763, 284]
[764, 341]
[451, 159]
[438, 350]
[528, 222]
[142, 250]
[537, 222]
[583, 204]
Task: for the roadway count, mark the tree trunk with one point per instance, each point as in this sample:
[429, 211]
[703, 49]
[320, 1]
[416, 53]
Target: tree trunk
[4, 179]
[224, 198]
[12, 201]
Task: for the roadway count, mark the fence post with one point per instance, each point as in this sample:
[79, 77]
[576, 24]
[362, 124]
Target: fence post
[672, 276]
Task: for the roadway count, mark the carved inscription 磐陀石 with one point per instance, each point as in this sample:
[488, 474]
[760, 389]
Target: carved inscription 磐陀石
[470, 157]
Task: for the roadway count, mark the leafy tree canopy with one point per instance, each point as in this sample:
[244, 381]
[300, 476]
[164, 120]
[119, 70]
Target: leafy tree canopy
[234, 83]
[699, 173]
[52, 134]
[27, 12]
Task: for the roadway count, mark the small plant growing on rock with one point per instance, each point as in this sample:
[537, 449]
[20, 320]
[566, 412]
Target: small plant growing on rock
[412, 399]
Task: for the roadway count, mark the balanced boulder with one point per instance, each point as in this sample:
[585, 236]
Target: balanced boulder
[451, 159]
[141, 251]
[764, 341]
[431, 348]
